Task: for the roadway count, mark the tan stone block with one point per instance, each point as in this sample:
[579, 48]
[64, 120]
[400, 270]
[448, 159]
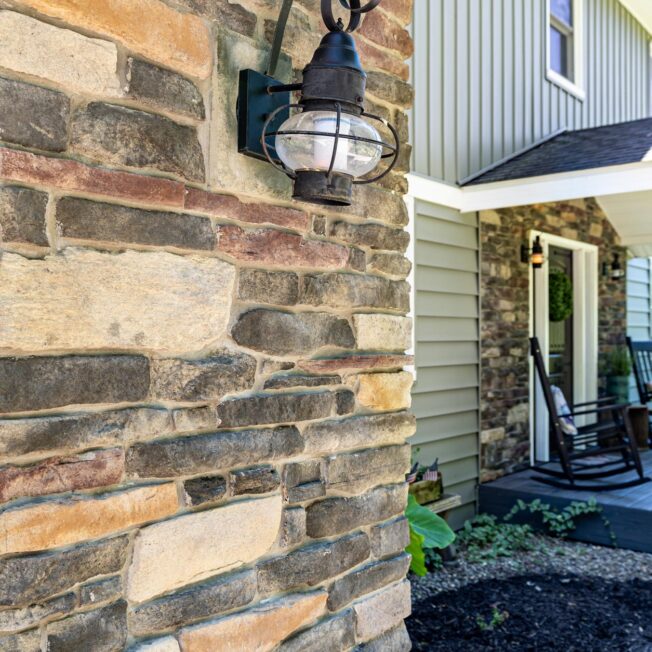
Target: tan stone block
[518, 414]
[595, 230]
[178, 40]
[571, 234]
[259, 629]
[84, 299]
[490, 217]
[195, 546]
[385, 391]
[54, 524]
[382, 611]
[495, 434]
[167, 644]
[83, 64]
[382, 332]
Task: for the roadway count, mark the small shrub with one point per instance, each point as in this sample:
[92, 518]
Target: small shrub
[497, 619]
[485, 538]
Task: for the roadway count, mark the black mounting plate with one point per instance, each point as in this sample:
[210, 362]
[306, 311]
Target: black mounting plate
[255, 104]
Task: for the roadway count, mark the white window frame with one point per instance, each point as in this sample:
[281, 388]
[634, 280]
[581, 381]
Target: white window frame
[575, 86]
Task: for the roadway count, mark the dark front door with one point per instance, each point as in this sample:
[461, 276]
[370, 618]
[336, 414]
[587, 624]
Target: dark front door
[560, 361]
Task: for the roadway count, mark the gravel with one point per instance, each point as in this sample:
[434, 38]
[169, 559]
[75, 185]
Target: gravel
[552, 556]
[563, 597]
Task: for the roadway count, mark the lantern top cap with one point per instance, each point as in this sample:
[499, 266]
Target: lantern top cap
[337, 50]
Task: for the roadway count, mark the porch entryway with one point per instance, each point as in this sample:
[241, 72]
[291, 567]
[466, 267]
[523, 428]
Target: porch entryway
[569, 345]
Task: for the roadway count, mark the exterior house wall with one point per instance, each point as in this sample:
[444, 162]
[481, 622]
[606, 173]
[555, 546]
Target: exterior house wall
[203, 408]
[445, 394]
[479, 71]
[639, 306]
[505, 429]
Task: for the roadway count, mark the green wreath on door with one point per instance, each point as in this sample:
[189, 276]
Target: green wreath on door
[560, 296]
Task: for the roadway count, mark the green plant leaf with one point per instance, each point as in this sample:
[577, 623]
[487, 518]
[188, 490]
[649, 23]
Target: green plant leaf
[418, 563]
[560, 295]
[434, 529]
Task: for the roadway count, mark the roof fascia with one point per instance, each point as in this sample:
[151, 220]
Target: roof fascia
[610, 180]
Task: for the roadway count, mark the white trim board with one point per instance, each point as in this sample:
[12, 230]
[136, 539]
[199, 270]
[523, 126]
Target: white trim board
[585, 332]
[641, 10]
[605, 181]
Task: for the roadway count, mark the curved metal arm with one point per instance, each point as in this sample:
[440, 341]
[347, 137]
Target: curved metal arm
[353, 6]
[278, 37]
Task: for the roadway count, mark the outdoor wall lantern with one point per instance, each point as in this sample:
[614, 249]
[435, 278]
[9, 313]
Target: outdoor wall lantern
[535, 255]
[614, 271]
[325, 142]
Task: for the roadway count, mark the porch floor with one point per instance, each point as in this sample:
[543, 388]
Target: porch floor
[628, 510]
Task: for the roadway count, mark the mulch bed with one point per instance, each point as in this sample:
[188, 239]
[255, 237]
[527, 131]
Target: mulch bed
[560, 612]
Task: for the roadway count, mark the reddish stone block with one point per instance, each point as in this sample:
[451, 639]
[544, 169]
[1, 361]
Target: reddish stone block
[280, 248]
[374, 57]
[379, 28]
[72, 175]
[58, 474]
[356, 363]
[232, 208]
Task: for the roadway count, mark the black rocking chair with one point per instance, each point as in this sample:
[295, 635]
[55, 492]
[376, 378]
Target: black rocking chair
[641, 355]
[608, 438]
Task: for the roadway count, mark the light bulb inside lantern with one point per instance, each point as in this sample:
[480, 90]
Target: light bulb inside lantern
[300, 151]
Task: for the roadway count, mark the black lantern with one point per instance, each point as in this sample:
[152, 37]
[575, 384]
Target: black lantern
[325, 142]
[614, 271]
[535, 255]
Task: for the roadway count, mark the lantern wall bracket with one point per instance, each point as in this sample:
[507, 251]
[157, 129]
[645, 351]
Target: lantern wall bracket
[259, 96]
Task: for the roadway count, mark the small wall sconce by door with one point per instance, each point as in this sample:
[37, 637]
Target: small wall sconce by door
[614, 271]
[533, 256]
[325, 142]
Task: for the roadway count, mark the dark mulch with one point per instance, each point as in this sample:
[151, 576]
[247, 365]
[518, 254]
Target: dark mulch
[563, 613]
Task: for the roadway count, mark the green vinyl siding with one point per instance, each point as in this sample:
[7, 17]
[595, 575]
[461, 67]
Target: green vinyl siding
[481, 91]
[445, 394]
[639, 306]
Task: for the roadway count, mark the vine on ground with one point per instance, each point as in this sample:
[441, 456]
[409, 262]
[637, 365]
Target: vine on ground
[485, 537]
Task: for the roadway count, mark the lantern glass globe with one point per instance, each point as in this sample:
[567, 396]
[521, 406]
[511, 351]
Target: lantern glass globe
[300, 151]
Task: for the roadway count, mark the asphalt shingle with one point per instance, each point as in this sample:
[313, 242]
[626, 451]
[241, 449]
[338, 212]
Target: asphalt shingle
[583, 149]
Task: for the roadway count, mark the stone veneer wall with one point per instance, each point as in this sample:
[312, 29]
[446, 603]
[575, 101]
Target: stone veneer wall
[202, 403]
[505, 438]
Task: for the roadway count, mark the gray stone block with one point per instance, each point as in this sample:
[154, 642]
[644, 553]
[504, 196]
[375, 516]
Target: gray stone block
[33, 116]
[82, 219]
[163, 88]
[171, 612]
[22, 216]
[122, 136]
[281, 333]
[30, 579]
[170, 458]
[337, 515]
[102, 630]
[312, 564]
[47, 382]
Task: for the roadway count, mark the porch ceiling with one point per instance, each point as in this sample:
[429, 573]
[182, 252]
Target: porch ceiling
[631, 215]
